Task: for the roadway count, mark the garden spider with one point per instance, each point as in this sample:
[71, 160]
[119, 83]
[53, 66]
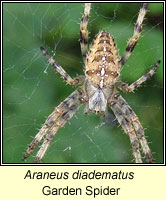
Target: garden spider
[102, 70]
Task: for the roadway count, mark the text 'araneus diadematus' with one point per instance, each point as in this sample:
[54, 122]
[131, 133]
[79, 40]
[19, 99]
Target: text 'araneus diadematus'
[99, 88]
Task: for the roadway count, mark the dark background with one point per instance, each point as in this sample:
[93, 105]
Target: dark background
[31, 88]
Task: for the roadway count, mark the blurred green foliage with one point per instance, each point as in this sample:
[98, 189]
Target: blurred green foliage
[31, 88]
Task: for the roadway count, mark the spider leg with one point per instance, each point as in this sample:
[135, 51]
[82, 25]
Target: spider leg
[136, 35]
[130, 88]
[71, 81]
[60, 113]
[132, 117]
[84, 30]
[59, 123]
[128, 129]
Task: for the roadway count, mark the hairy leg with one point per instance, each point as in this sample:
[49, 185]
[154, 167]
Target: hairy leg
[132, 117]
[136, 35]
[62, 113]
[128, 129]
[71, 81]
[84, 30]
[130, 88]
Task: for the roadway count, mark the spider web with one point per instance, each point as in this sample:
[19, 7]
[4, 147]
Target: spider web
[32, 89]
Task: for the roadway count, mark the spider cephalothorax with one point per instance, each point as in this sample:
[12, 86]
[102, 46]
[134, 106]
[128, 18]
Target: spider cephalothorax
[100, 88]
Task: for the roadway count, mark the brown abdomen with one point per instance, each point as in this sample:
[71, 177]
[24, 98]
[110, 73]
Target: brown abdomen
[102, 63]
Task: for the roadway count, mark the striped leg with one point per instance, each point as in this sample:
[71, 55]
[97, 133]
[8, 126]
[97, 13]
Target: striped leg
[84, 30]
[130, 88]
[137, 32]
[71, 81]
[53, 130]
[62, 113]
[132, 117]
[128, 129]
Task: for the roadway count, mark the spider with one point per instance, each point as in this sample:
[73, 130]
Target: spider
[99, 88]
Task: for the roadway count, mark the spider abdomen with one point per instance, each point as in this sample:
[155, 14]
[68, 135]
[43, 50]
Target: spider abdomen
[102, 63]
